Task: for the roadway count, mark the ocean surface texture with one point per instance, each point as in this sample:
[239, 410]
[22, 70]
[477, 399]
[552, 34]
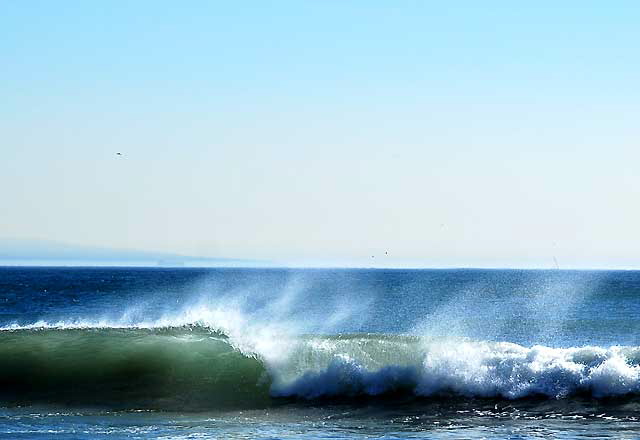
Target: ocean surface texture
[108, 353]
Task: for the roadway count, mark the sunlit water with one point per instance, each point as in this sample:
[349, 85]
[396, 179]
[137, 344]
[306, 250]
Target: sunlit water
[247, 353]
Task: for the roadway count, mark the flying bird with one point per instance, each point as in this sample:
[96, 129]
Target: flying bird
[118, 154]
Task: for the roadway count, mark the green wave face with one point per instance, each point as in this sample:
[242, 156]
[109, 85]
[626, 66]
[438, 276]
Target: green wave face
[176, 368]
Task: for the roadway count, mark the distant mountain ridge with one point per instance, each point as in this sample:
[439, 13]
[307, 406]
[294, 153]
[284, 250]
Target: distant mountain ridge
[42, 252]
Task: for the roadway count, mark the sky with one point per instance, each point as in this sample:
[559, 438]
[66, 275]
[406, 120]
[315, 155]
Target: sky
[482, 134]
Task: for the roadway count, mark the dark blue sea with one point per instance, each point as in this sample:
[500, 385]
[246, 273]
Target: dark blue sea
[157, 353]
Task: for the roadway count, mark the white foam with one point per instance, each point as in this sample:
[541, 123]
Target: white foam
[481, 369]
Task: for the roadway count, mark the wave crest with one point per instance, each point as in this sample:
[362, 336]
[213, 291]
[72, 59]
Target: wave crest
[197, 366]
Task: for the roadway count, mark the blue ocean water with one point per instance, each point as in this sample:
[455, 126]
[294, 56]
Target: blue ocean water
[318, 353]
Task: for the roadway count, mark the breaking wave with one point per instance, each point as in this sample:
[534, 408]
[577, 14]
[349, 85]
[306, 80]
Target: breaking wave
[203, 366]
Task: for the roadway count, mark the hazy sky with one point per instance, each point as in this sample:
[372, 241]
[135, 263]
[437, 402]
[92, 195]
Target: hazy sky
[485, 134]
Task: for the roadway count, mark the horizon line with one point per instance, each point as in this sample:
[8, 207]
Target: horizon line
[314, 267]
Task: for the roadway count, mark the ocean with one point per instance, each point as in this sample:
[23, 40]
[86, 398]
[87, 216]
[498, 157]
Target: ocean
[160, 353]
